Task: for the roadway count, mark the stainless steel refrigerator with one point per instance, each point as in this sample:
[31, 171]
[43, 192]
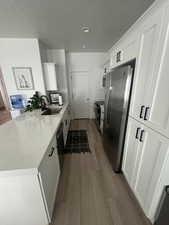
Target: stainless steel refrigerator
[117, 99]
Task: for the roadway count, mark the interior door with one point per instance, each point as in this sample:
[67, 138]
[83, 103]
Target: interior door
[80, 88]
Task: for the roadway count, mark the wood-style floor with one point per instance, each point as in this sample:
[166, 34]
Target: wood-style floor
[89, 193]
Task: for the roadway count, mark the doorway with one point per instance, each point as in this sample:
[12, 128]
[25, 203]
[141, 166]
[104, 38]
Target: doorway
[80, 95]
[4, 102]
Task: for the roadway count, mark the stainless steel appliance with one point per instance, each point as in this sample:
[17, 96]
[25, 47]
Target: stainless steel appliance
[117, 99]
[55, 97]
[97, 110]
[60, 145]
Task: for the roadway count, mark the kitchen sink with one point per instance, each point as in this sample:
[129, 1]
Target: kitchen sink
[51, 111]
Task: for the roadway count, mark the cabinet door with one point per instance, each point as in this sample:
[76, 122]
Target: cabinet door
[50, 76]
[152, 154]
[146, 61]
[49, 176]
[131, 150]
[157, 96]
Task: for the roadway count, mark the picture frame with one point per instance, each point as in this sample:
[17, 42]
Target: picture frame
[23, 78]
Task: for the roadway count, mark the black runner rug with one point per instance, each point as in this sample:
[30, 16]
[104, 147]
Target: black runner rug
[77, 142]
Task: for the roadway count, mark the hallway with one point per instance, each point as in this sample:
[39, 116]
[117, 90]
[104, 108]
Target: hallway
[90, 193]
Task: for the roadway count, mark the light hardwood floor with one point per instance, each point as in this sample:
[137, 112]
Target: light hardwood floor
[89, 193]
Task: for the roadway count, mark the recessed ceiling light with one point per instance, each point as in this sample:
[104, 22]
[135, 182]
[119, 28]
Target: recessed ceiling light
[85, 29]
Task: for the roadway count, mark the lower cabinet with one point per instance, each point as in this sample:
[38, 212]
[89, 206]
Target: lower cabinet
[21, 199]
[144, 156]
[49, 172]
[131, 151]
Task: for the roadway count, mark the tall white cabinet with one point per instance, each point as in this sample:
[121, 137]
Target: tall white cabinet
[50, 76]
[146, 149]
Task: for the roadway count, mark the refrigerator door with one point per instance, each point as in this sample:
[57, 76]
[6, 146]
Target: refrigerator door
[116, 109]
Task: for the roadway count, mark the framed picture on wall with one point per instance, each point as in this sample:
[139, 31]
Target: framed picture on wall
[23, 78]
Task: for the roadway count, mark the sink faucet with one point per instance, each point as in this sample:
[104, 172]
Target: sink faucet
[44, 102]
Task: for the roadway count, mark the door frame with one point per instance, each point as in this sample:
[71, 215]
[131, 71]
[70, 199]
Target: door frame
[72, 94]
[4, 93]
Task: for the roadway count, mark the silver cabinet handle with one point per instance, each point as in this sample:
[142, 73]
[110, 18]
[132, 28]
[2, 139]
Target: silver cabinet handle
[137, 132]
[142, 111]
[146, 113]
[52, 151]
[141, 136]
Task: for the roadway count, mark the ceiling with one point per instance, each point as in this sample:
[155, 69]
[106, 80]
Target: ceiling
[58, 22]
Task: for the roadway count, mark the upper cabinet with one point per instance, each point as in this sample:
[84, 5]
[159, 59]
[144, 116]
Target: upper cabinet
[146, 61]
[50, 76]
[150, 102]
[124, 52]
[157, 93]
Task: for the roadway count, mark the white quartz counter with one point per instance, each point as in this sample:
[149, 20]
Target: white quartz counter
[24, 140]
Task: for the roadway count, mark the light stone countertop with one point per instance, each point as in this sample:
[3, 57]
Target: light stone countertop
[24, 140]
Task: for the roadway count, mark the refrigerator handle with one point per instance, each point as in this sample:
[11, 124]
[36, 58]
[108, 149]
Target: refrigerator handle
[107, 106]
[142, 111]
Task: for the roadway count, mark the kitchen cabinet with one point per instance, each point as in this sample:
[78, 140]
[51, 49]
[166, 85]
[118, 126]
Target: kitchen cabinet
[50, 76]
[49, 172]
[28, 195]
[156, 96]
[131, 151]
[150, 33]
[144, 156]
[21, 199]
[125, 51]
[151, 160]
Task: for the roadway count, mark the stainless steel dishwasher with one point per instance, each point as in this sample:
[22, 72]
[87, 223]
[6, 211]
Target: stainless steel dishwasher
[60, 145]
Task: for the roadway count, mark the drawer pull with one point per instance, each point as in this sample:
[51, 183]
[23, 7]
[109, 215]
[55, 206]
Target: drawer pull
[52, 151]
[142, 111]
[137, 132]
[141, 136]
[146, 113]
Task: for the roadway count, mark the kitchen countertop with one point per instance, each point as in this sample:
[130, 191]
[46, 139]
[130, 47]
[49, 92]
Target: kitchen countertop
[24, 140]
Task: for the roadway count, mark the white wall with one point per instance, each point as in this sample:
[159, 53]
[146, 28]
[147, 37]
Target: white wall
[58, 56]
[21, 53]
[94, 64]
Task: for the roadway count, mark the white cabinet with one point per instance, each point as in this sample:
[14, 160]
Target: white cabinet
[157, 94]
[21, 200]
[153, 152]
[50, 76]
[162, 182]
[144, 156]
[28, 195]
[146, 61]
[131, 151]
[49, 173]
[125, 51]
